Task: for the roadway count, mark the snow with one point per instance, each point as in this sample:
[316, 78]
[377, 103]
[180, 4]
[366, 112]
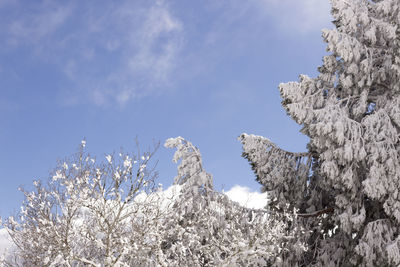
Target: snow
[5, 242]
[240, 194]
[109, 158]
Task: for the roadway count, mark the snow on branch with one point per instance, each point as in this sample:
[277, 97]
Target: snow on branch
[283, 174]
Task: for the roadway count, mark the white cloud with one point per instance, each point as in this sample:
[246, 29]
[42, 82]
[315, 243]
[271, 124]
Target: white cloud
[246, 198]
[240, 194]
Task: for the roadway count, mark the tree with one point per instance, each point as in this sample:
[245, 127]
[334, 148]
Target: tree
[211, 230]
[349, 179]
[93, 213]
[89, 214]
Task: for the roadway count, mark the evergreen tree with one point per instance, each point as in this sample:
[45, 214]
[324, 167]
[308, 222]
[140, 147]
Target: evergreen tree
[347, 184]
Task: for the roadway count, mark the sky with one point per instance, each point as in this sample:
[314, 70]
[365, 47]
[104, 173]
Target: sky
[111, 71]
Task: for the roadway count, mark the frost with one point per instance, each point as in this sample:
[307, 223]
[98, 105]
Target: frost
[108, 216]
[109, 159]
[127, 162]
[350, 112]
[341, 196]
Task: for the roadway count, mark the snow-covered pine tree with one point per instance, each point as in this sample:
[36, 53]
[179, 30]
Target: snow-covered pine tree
[347, 184]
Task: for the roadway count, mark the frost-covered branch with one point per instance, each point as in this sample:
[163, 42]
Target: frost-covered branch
[316, 213]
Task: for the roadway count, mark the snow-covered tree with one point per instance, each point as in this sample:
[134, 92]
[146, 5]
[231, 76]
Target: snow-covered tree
[88, 215]
[93, 213]
[347, 183]
[211, 230]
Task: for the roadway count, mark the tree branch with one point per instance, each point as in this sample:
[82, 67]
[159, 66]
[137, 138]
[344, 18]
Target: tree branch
[316, 213]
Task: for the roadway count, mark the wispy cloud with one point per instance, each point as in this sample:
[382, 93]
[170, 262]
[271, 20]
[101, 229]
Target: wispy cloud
[290, 18]
[152, 52]
[297, 16]
[147, 44]
[34, 27]
[113, 52]
[110, 53]
[153, 55]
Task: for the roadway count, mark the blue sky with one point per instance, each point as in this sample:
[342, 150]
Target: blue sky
[109, 71]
